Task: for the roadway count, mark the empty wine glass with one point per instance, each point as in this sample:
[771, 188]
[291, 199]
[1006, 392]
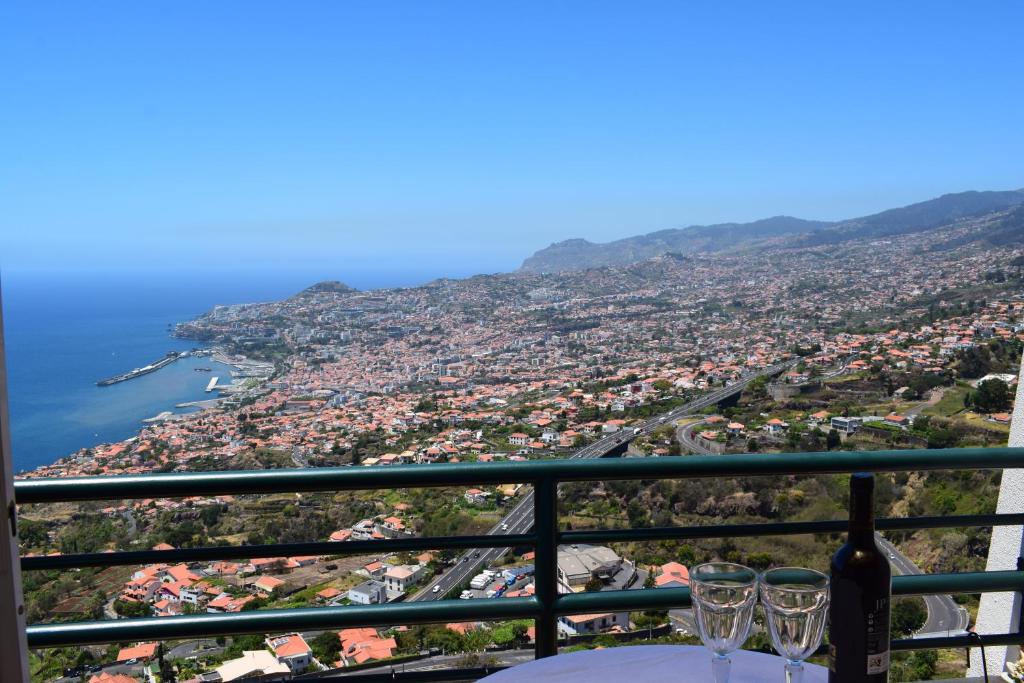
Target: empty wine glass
[724, 595]
[796, 607]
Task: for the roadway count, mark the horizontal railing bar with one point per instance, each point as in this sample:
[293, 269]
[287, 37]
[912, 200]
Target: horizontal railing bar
[235, 552]
[278, 621]
[958, 641]
[113, 559]
[965, 582]
[781, 528]
[181, 484]
[301, 619]
[399, 675]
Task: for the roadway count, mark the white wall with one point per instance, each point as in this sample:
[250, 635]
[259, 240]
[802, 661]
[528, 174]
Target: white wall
[999, 612]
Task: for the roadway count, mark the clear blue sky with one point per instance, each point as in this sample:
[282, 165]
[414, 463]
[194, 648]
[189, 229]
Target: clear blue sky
[461, 136]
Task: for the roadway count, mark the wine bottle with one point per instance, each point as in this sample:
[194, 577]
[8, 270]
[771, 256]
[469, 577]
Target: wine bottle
[860, 591]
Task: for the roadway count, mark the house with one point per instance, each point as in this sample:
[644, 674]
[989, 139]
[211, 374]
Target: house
[574, 624]
[327, 594]
[143, 652]
[897, 420]
[612, 426]
[734, 428]
[477, 497]
[370, 592]
[267, 584]
[227, 603]
[363, 530]
[291, 650]
[846, 425]
[341, 535]
[374, 570]
[104, 677]
[672, 575]
[398, 579]
[518, 439]
[818, 418]
[251, 664]
[191, 595]
[550, 436]
[775, 426]
[359, 645]
[577, 563]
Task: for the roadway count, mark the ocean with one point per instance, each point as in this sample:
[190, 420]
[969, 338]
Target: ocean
[64, 333]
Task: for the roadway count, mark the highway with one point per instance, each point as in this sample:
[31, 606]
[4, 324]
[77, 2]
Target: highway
[945, 617]
[520, 519]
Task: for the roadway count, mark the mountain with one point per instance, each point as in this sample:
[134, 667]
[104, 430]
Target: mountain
[580, 254]
[328, 286]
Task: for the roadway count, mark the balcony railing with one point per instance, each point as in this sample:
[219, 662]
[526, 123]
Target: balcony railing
[544, 476]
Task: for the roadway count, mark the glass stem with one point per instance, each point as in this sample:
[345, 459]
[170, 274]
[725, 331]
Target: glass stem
[794, 671]
[720, 665]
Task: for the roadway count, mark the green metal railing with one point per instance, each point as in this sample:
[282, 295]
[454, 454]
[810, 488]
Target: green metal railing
[546, 605]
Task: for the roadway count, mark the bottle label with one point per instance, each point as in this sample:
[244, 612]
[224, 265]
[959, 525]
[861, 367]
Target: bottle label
[878, 664]
[878, 636]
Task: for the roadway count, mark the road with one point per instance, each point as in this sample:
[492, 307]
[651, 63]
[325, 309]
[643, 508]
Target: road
[520, 519]
[687, 440]
[945, 617]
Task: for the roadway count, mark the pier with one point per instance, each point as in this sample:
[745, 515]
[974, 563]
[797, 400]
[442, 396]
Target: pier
[212, 385]
[144, 370]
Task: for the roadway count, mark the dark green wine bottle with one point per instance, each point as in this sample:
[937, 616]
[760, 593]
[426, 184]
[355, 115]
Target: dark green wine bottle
[860, 589]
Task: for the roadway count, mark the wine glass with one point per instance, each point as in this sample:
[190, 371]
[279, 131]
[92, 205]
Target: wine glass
[724, 595]
[795, 606]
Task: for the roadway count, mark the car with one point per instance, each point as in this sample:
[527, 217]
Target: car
[476, 554]
[892, 556]
[132, 661]
[465, 559]
[437, 589]
[504, 527]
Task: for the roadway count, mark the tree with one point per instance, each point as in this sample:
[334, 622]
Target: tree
[326, 647]
[908, 615]
[975, 362]
[992, 396]
[832, 440]
[594, 584]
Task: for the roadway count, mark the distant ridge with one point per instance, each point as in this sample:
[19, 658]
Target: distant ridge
[329, 286]
[580, 254]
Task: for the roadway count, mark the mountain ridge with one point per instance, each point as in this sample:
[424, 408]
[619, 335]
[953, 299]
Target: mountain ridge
[581, 254]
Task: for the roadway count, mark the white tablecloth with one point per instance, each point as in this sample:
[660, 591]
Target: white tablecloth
[653, 663]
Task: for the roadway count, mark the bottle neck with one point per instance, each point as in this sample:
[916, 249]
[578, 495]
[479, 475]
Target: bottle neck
[862, 518]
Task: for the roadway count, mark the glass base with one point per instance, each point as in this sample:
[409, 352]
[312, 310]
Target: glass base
[720, 666]
[794, 671]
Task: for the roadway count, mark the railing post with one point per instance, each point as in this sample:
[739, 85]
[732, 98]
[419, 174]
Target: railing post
[14, 662]
[545, 522]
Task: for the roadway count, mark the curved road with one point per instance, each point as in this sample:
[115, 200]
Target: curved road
[520, 519]
[945, 617]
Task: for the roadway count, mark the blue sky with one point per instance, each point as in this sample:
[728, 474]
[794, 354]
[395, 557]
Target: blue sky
[459, 137]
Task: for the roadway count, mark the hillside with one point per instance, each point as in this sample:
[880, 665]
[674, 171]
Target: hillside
[580, 254]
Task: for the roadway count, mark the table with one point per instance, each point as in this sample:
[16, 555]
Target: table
[650, 663]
